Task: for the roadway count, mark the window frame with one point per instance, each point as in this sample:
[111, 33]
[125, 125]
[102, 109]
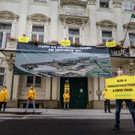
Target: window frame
[106, 30]
[3, 74]
[74, 36]
[133, 32]
[34, 82]
[5, 31]
[104, 7]
[38, 33]
[129, 4]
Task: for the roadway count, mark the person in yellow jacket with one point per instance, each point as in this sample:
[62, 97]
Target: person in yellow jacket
[129, 103]
[31, 96]
[66, 98]
[3, 97]
[106, 102]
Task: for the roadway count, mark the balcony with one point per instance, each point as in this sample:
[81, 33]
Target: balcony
[124, 52]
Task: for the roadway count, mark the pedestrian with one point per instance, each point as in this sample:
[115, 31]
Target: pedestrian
[31, 96]
[129, 103]
[3, 98]
[106, 102]
[66, 98]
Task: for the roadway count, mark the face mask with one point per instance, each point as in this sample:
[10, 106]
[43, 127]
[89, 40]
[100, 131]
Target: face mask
[4, 88]
[120, 72]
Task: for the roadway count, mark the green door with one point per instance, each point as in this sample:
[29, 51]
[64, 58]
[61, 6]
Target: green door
[78, 92]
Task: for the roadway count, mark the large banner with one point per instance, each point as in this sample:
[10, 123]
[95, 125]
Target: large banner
[62, 61]
[121, 87]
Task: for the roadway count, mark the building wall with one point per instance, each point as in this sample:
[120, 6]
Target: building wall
[22, 14]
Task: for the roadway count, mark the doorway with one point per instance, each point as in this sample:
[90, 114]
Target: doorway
[78, 92]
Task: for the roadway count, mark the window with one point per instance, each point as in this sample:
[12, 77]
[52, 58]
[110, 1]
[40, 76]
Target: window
[132, 39]
[34, 80]
[2, 73]
[38, 32]
[104, 3]
[107, 36]
[128, 6]
[74, 35]
[5, 32]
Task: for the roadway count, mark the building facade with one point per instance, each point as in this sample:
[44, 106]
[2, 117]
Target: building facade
[87, 21]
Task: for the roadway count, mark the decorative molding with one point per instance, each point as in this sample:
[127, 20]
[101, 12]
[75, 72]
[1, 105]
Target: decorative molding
[117, 3]
[106, 24]
[92, 2]
[68, 19]
[130, 26]
[1, 60]
[7, 15]
[74, 2]
[10, 61]
[38, 18]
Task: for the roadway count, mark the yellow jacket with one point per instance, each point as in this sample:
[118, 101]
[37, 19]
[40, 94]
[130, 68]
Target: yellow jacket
[104, 93]
[31, 94]
[133, 100]
[3, 95]
[66, 97]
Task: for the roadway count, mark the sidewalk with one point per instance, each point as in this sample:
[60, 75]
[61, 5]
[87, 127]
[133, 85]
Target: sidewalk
[72, 113]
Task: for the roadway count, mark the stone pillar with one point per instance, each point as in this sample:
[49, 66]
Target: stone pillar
[15, 90]
[54, 20]
[92, 18]
[90, 93]
[23, 10]
[118, 18]
[54, 88]
[47, 88]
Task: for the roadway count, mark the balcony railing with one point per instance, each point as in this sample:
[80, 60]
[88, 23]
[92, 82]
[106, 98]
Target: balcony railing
[124, 52]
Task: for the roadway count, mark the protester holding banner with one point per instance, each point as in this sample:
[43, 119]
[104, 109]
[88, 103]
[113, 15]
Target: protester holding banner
[129, 103]
[3, 97]
[31, 96]
[66, 98]
[106, 102]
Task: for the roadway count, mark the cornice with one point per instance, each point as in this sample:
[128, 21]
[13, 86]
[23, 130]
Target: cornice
[92, 2]
[130, 26]
[106, 24]
[73, 2]
[117, 3]
[69, 19]
[7, 15]
[38, 18]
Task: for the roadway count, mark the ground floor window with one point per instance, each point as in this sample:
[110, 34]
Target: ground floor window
[33, 80]
[2, 74]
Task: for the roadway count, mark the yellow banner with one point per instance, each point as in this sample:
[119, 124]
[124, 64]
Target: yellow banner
[121, 87]
[111, 44]
[23, 39]
[65, 42]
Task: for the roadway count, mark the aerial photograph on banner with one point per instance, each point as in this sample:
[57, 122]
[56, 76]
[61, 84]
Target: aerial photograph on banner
[62, 64]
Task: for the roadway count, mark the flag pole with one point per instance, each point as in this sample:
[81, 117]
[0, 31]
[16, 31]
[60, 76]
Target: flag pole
[123, 41]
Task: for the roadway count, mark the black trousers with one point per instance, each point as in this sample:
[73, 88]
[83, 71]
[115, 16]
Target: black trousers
[5, 103]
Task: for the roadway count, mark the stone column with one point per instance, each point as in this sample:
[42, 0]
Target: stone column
[92, 18]
[118, 18]
[23, 10]
[15, 90]
[90, 93]
[54, 20]
[54, 88]
[47, 88]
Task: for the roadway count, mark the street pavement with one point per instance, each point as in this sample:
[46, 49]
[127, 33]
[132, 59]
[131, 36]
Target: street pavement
[63, 122]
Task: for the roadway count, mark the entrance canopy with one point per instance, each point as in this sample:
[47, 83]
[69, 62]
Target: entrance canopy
[62, 61]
